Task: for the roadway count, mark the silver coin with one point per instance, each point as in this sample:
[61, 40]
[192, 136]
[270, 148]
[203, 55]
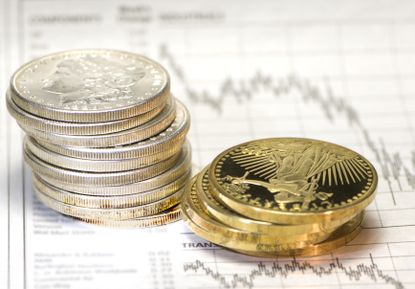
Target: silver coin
[101, 179]
[170, 139]
[132, 135]
[182, 167]
[111, 214]
[90, 85]
[95, 165]
[106, 202]
[72, 128]
[168, 216]
[152, 194]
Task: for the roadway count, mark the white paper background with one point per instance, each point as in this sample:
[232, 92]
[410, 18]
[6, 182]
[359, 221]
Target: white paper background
[342, 71]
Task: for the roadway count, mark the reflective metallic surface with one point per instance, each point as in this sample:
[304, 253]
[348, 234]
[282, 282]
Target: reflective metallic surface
[89, 85]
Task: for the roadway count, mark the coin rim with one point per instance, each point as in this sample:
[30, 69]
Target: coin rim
[153, 127]
[129, 151]
[183, 166]
[103, 166]
[232, 237]
[233, 219]
[110, 214]
[309, 250]
[46, 125]
[105, 179]
[107, 202]
[325, 247]
[168, 216]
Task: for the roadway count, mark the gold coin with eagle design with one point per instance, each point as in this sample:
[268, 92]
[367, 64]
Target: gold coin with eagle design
[293, 180]
[230, 218]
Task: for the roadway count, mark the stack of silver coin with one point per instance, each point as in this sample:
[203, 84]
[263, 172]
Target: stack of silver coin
[105, 137]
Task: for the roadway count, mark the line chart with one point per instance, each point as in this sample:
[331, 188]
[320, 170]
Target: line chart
[391, 164]
[341, 71]
[277, 270]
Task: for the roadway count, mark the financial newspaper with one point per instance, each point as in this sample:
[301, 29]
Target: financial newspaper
[340, 71]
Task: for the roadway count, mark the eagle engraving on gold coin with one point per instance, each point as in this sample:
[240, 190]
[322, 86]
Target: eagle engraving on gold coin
[291, 174]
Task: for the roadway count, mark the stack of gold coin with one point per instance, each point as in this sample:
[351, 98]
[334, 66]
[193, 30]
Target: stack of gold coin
[280, 197]
[106, 139]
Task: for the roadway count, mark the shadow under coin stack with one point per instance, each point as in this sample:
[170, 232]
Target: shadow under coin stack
[281, 197]
[105, 138]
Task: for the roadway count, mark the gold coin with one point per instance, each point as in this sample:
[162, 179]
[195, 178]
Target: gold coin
[337, 239]
[168, 216]
[244, 243]
[293, 180]
[200, 221]
[108, 202]
[110, 214]
[228, 217]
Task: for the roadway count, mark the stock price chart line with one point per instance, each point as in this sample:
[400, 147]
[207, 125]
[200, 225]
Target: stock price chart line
[391, 164]
[277, 270]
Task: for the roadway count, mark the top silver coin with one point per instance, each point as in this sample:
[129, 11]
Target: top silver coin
[90, 85]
